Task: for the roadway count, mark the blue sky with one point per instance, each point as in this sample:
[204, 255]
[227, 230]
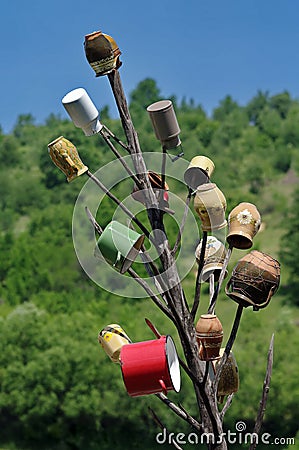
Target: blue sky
[199, 49]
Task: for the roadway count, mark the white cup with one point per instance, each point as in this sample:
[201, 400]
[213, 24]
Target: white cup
[82, 111]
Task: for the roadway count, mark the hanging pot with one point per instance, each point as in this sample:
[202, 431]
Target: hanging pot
[244, 222]
[213, 259]
[209, 335]
[82, 111]
[150, 367]
[119, 245]
[199, 171]
[165, 123]
[102, 53]
[210, 205]
[156, 183]
[65, 156]
[229, 379]
[254, 280]
[112, 338]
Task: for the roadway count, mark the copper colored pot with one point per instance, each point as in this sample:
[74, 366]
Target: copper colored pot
[244, 222]
[209, 335]
[254, 280]
[156, 183]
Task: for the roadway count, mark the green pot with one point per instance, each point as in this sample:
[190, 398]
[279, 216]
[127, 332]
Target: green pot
[120, 245]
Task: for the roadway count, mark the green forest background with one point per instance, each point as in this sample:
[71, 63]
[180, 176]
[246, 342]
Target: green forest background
[58, 389]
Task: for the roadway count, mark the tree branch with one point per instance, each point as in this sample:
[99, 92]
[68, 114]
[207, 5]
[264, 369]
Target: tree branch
[182, 413]
[230, 342]
[119, 203]
[179, 237]
[220, 281]
[266, 388]
[160, 424]
[198, 276]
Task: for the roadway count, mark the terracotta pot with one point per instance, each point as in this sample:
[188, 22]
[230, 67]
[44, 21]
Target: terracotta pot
[199, 171]
[150, 367]
[65, 156]
[209, 334]
[210, 205]
[102, 53]
[112, 338]
[244, 222]
[213, 259]
[229, 379]
[254, 280]
[156, 183]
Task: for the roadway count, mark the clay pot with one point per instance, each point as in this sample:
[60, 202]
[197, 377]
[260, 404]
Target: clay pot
[254, 280]
[102, 53]
[112, 338]
[229, 379]
[244, 222]
[66, 157]
[213, 259]
[199, 171]
[156, 183]
[209, 335]
[210, 205]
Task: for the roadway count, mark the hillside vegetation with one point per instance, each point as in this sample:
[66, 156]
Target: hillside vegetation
[58, 390]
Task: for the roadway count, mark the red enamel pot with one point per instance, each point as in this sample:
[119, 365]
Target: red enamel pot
[150, 367]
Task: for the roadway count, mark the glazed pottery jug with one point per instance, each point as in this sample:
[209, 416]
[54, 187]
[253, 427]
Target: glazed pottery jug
[112, 338]
[102, 53]
[199, 171]
[213, 259]
[65, 156]
[210, 205]
[244, 222]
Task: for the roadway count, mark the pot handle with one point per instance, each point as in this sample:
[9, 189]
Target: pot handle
[249, 302]
[163, 386]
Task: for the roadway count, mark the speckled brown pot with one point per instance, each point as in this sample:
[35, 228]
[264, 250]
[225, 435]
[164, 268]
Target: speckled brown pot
[254, 280]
